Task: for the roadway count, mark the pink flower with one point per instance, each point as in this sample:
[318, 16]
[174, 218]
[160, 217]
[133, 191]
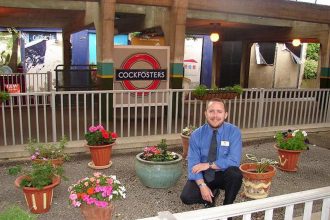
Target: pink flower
[92, 179]
[92, 129]
[33, 157]
[101, 204]
[97, 174]
[86, 183]
[73, 196]
[100, 127]
[76, 203]
[110, 181]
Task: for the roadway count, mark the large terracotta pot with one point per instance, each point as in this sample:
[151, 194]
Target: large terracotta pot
[288, 159]
[158, 174]
[38, 200]
[92, 212]
[101, 156]
[185, 145]
[256, 185]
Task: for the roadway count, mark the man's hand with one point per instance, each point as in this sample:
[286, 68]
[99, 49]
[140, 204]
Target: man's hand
[200, 167]
[207, 194]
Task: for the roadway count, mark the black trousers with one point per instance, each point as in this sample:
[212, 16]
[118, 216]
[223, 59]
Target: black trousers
[229, 180]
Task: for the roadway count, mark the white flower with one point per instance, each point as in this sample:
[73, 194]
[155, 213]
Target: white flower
[304, 133]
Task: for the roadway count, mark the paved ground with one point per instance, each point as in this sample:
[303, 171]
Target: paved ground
[145, 202]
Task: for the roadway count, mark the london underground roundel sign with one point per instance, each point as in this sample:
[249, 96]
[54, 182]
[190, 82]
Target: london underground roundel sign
[154, 74]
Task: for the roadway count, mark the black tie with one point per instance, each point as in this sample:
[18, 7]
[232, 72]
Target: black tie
[212, 156]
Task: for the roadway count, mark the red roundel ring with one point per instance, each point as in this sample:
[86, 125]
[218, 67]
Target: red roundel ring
[136, 58]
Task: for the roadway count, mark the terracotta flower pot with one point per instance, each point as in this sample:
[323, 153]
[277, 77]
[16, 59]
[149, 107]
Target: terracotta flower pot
[288, 159]
[92, 212]
[101, 156]
[185, 145]
[256, 185]
[38, 200]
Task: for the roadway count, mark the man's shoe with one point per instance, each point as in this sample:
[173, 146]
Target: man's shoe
[209, 204]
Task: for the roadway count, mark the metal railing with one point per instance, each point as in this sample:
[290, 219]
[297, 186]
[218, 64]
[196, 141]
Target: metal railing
[48, 116]
[287, 205]
[26, 82]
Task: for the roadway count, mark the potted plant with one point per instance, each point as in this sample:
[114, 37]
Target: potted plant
[157, 167]
[100, 142]
[38, 185]
[289, 145]
[41, 152]
[229, 92]
[4, 96]
[257, 176]
[94, 195]
[185, 136]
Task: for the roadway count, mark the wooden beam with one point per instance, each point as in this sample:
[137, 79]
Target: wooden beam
[281, 9]
[161, 3]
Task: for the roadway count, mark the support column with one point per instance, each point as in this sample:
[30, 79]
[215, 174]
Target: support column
[177, 40]
[245, 64]
[325, 60]
[105, 29]
[67, 55]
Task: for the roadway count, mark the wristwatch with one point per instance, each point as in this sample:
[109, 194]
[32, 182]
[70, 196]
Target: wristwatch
[201, 184]
[210, 164]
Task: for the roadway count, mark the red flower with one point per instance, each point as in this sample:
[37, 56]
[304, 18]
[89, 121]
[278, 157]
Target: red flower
[90, 191]
[114, 135]
[105, 134]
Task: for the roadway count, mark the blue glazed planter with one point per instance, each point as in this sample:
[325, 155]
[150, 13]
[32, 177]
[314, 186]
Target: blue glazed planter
[158, 174]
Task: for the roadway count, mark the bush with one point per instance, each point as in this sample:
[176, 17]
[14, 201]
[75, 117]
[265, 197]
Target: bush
[310, 71]
[313, 51]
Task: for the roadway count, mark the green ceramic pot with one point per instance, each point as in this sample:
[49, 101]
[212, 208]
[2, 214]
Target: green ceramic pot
[158, 174]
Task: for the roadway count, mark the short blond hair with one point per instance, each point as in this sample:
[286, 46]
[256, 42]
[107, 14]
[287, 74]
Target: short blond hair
[216, 100]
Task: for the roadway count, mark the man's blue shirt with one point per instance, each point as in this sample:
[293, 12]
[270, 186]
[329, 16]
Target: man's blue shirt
[229, 147]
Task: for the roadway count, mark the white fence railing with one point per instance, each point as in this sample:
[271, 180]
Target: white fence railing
[48, 116]
[284, 207]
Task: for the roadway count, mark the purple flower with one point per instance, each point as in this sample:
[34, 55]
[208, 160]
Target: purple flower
[33, 157]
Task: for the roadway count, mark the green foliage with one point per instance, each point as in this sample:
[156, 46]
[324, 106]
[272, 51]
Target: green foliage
[14, 212]
[158, 153]
[262, 164]
[9, 37]
[14, 170]
[200, 90]
[4, 96]
[311, 64]
[310, 70]
[235, 88]
[47, 151]
[41, 175]
[291, 140]
[312, 52]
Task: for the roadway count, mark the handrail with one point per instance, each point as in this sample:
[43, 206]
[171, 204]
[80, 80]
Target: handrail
[245, 209]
